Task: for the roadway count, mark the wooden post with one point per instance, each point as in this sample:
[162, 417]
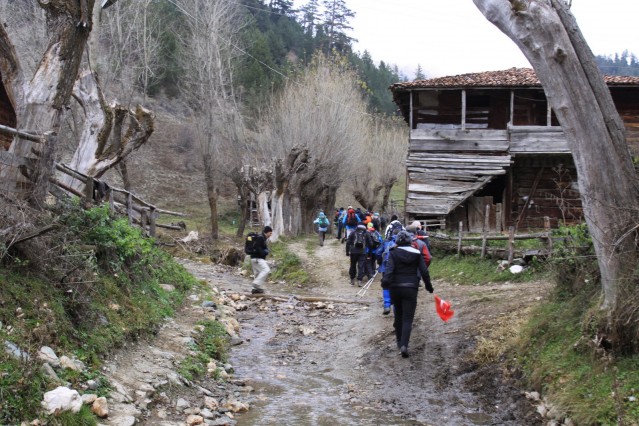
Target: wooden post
[498, 225]
[152, 217]
[459, 239]
[88, 189]
[442, 224]
[129, 208]
[548, 234]
[484, 239]
[463, 111]
[511, 244]
[144, 214]
[111, 200]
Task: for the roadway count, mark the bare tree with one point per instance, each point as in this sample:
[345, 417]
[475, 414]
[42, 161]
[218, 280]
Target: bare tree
[209, 51]
[385, 152]
[314, 130]
[40, 102]
[549, 37]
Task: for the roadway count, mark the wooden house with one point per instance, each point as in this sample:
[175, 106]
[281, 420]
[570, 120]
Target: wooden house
[491, 139]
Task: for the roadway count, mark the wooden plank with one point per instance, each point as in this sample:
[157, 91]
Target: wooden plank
[458, 135]
[454, 146]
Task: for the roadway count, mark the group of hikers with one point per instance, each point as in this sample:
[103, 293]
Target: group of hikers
[401, 254]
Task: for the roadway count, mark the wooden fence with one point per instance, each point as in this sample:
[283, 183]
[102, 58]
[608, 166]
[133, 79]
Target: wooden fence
[511, 237]
[137, 210]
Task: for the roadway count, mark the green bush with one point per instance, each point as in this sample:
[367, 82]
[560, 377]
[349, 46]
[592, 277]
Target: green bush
[95, 284]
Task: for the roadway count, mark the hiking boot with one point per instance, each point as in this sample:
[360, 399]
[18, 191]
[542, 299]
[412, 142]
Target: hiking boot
[386, 310]
[352, 281]
[404, 351]
[257, 291]
[360, 283]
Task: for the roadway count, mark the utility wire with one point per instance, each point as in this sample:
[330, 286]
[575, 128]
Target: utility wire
[287, 78]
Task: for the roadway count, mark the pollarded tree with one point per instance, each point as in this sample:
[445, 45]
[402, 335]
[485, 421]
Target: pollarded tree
[314, 130]
[40, 101]
[548, 35]
[385, 149]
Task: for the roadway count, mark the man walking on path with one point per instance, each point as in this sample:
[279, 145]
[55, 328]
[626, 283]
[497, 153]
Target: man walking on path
[258, 261]
[322, 223]
[357, 244]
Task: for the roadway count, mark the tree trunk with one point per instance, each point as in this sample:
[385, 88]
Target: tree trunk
[549, 37]
[40, 104]
[104, 143]
[262, 208]
[211, 193]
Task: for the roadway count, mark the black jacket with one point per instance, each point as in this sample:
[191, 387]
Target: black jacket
[260, 247]
[404, 269]
[350, 242]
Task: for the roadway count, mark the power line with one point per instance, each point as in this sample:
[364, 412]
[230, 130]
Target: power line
[287, 78]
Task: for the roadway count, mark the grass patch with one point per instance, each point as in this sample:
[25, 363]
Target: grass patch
[211, 343]
[289, 265]
[467, 270]
[560, 360]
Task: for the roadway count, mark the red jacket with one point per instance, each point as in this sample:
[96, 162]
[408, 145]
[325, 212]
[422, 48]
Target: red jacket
[423, 249]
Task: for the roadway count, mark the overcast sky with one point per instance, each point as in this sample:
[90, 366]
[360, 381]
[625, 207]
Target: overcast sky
[449, 37]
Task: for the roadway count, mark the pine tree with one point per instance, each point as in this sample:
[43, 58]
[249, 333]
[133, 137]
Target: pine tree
[336, 22]
[419, 73]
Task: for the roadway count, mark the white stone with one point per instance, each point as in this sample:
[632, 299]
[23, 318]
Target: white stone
[182, 404]
[516, 269]
[48, 355]
[192, 236]
[236, 406]
[72, 364]
[211, 403]
[123, 421]
[62, 399]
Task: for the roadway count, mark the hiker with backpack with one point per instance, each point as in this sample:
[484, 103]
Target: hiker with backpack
[387, 246]
[393, 228]
[340, 222]
[420, 233]
[255, 246]
[418, 243]
[357, 244]
[375, 251]
[322, 223]
[404, 270]
[351, 219]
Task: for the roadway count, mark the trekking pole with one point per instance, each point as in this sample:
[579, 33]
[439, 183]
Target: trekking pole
[365, 287]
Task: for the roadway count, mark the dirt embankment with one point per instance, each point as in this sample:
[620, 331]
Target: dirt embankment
[334, 362]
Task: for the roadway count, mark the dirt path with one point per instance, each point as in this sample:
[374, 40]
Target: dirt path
[336, 363]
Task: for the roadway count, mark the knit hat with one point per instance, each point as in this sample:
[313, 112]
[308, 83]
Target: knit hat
[404, 239]
[370, 225]
[417, 224]
[267, 229]
[411, 228]
[322, 214]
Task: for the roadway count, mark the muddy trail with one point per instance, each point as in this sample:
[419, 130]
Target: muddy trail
[328, 362]
[322, 355]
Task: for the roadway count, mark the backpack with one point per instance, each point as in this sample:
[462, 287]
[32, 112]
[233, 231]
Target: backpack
[351, 219]
[388, 246]
[377, 239]
[323, 222]
[395, 228]
[250, 244]
[359, 239]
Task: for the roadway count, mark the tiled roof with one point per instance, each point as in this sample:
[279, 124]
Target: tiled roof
[513, 77]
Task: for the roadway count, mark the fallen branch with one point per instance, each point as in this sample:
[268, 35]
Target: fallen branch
[308, 299]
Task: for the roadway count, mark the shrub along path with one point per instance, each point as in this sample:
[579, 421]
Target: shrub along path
[336, 363]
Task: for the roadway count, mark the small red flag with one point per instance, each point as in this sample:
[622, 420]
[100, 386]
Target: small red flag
[443, 309]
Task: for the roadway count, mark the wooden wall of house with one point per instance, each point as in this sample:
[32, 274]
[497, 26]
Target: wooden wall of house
[7, 116]
[627, 103]
[551, 182]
